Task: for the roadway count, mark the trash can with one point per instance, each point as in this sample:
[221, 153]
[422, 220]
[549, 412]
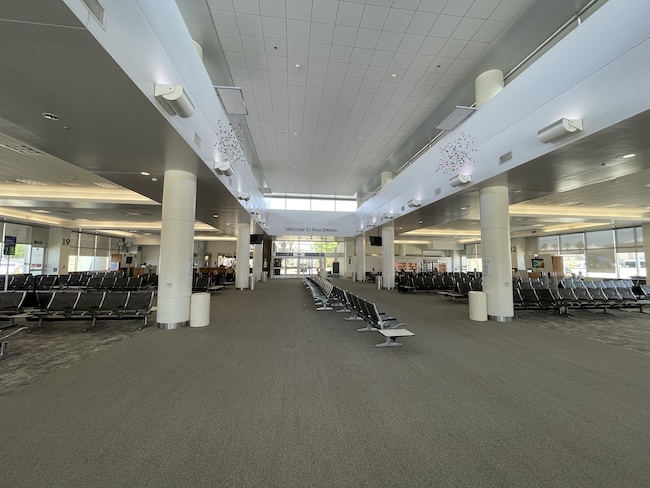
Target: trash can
[478, 306]
[354, 276]
[251, 282]
[379, 280]
[199, 309]
[264, 276]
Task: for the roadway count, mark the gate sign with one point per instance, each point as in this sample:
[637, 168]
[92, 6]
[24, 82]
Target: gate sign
[10, 246]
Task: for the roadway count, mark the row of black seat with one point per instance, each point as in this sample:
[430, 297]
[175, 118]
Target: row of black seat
[68, 305]
[564, 299]
[327, 296]
[457, 285]
[97, 281]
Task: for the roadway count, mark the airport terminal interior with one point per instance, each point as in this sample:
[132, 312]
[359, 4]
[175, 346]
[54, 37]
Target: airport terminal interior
[325, 243]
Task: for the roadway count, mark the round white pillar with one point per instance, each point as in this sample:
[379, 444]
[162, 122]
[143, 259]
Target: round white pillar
[243, 255]
[361, 257]
[487, 85]
[176, 249]
[495, 240]
[388, 256]
[258, 260]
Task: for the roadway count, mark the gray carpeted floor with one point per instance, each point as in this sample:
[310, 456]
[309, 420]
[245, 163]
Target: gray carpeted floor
[273, 393]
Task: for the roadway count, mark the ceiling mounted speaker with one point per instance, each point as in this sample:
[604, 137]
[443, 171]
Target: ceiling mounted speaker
[414, 203]
[174, 100]
[244, 196]
[460, 180]
[558, 130]
[223, 168]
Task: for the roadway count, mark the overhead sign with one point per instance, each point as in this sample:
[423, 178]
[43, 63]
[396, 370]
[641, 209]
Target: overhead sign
[10, 246]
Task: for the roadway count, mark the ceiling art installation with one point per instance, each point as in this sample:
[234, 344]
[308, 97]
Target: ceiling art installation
[229, 145]
[456, 155]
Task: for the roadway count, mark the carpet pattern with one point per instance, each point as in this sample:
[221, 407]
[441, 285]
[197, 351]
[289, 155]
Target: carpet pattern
[275, 394]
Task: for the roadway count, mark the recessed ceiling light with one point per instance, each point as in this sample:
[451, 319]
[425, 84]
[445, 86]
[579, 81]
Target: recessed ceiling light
[614, 205]
[144, 173]
[393, 75]
[31, 182]
[359, 138]
[420, 221]
[133, 214]
[228, 223]
[50, 116]
[215, 216]
[82, 220]
[38, 210]
[571, 204]
[518, 191]
[147, 233]
[297, 66]
[463, 208]
[537, 225]
[154, 179]
[399, 228]
[628, 156]
[295, 133]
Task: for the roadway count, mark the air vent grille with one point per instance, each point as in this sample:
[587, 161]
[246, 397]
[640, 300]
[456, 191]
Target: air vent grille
[505, 158]
[96, 10]
[197, 140]
[21, 149]
[438, 191]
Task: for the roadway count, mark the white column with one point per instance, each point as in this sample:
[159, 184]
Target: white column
[388, 256]
[258, 261]
[495, 238]
[361, 257]
[487, 85]
[348, 252]
[455, 260]
[57, 253]
[243, 255]
[176, 249]
[518, 250]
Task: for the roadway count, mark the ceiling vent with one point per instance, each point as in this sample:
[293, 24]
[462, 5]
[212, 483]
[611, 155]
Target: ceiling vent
[21, 149]
[197, 140]
[505, 158]
[96, 10]
[438, 191]
[266, 190]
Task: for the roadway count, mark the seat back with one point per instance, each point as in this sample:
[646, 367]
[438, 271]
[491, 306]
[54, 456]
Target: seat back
[11, 301]
[63, 301]
[139, 301]
[89, 301]
[114, 301]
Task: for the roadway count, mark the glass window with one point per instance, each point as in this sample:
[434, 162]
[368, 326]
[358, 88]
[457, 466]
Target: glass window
[569, 242]
[625, 238]
[276, 203]
[323, 205]
[601, 263]
[346, 206]
[574, 263]
[548, 243]
[103, 243]
[639, 236]
[601, 239]
[298, 204]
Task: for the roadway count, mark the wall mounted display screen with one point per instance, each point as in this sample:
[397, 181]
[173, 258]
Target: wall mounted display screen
[537, 263]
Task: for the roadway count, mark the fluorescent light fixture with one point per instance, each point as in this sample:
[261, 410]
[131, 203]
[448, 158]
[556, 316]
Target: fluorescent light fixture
[174, 100]
[460, 180]
[223, 168]
[455, 117]
[244, 196]
[559, 129]
[232, 99]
